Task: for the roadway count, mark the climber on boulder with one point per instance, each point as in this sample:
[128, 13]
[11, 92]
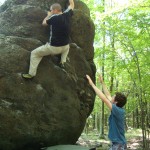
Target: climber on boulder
[59, 23]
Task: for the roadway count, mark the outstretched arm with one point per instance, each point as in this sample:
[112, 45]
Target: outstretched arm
[99, 93]
[71, 4]
[44, 23]
[106, 92]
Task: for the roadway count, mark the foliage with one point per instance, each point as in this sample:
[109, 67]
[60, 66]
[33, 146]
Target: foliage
[122, 49]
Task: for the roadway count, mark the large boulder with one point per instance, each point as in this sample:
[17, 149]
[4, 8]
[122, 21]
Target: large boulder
[51, 108]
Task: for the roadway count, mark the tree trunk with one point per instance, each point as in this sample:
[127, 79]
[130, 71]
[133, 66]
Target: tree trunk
[103, 57]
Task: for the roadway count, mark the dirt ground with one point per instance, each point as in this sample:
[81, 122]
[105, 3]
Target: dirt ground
[134, 141]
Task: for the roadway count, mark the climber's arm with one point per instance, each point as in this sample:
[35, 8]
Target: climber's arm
[44, 23]
[71, 4]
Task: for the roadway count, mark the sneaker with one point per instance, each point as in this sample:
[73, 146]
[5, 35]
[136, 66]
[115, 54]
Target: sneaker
[27, 76]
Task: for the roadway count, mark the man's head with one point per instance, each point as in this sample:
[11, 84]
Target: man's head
[119, 99]
[56, 8]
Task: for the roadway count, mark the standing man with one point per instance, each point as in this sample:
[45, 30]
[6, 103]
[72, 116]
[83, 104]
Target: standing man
[59, 23]
[116, 120]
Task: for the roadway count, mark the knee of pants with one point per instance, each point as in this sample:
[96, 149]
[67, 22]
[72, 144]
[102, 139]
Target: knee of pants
[67, 50]
[34, 53]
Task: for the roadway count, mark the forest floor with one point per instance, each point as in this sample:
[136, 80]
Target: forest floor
[91, 140]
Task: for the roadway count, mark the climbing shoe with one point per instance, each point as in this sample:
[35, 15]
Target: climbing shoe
[27, 76]
[62, 66]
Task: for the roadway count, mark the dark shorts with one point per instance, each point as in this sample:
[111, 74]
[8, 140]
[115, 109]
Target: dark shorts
[118, 146]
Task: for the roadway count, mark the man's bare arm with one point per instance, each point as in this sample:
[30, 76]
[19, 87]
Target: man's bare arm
[106, 92]
[71, 4]
[44, 23]
[99, 93]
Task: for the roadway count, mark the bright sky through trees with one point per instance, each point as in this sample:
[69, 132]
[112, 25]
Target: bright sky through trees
[2, 1]
[121, 2]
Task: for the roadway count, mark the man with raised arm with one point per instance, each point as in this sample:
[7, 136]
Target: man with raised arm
[59, 23]
[116, 120]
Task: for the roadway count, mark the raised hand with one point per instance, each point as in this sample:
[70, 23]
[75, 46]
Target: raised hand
[89, 79]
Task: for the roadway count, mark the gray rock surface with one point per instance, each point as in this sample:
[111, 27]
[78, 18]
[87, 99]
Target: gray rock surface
[52, 108]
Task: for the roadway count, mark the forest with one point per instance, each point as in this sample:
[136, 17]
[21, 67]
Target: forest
[122, 57]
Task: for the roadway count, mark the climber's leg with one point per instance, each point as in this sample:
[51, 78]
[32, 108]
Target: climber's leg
[38, 53]
[63, 50]
[35, 58]
[64, 53]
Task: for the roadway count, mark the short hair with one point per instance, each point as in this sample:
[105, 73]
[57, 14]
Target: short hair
[120, 99]
[57, 7]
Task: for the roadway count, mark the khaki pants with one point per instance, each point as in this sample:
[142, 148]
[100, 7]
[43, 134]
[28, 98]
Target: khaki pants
[38, 53]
